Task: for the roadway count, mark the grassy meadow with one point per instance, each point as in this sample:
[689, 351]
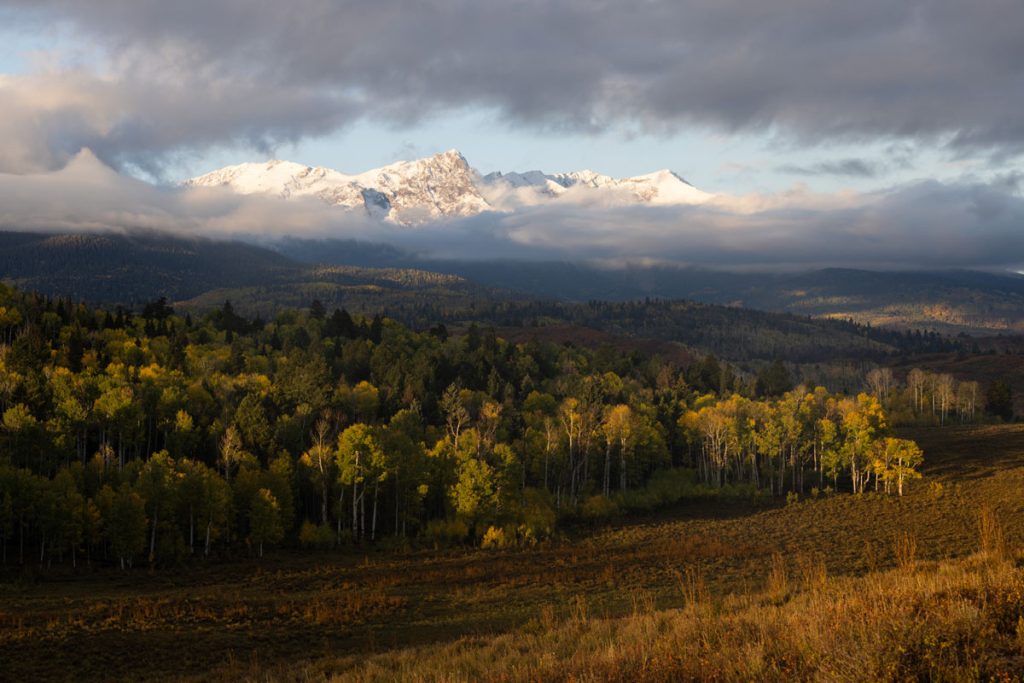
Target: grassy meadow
[833, 587]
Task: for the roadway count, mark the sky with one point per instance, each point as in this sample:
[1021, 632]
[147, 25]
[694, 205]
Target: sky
[814, 117]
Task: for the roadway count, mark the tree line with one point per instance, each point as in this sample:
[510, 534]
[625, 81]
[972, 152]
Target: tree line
[939, 398]
[154, 437]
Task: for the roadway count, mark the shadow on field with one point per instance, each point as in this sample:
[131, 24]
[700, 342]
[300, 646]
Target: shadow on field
[966, 452]
[292, 607]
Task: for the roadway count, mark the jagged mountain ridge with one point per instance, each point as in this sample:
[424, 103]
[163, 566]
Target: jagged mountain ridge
[407, 192]
[443, 186]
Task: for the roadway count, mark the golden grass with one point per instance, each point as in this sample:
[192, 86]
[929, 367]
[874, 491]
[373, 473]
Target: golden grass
[958, 620]
[327, 613]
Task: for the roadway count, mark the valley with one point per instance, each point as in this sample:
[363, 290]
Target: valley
[134, 267]
[482, 342]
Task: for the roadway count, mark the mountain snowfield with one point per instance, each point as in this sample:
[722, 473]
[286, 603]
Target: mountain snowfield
[444, 186]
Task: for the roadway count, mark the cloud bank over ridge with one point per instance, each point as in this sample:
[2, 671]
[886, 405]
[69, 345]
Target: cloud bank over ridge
[139, 84]
[927, 224]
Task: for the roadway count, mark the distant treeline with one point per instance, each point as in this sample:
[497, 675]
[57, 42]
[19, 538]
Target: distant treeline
[736, 333]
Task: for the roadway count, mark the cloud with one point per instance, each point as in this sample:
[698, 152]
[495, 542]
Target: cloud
[137, 124]
[176, 77]
[922, 225]
[919, 225]
[88, 196]
[856, 168]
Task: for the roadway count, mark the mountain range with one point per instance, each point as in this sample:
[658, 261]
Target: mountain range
[445, 186]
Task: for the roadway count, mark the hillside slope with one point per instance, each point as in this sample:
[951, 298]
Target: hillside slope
[134, 268]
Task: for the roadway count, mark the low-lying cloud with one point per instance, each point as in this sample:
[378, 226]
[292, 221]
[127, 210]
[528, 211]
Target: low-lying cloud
[851, 168]
[921, 225]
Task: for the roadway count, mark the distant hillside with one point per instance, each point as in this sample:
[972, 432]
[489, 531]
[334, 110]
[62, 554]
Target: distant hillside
[415, 297]
[738, 334]
[133, 268]
[950, 302]
[944, 301]
[196, 273]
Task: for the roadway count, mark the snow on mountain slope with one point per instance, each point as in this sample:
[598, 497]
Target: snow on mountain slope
[661, 187]
[440, 186]
[406, 192]
[444, 186]
[664, 187]
[285, 179]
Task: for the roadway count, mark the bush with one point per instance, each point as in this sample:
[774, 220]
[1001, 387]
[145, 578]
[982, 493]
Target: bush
[667, 487]
[494, 538]
[446, 531]
[671, 486]
[536, 516]
[526, 537]
[316, 536]
[598, 507]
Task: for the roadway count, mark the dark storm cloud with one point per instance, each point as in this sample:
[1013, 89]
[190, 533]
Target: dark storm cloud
[190, 73]
[163, 79]
[135, 124]
[857, 168]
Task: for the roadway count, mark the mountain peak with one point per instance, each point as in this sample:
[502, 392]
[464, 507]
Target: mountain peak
[451, 154]
[443, 186]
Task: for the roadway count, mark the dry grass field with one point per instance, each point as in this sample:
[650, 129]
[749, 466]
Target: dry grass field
[373, 613]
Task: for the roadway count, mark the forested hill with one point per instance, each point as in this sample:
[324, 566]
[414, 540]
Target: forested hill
[199, 275]
[130, 269]
[133, 268]
[944, 301]
[157, 436]
[738, 334]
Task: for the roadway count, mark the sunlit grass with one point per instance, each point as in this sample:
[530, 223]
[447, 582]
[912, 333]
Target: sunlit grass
[762, 591]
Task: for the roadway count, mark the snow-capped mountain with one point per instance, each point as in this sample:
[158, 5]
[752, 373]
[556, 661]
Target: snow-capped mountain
[408, 192]
[661, 187]
[444, 186]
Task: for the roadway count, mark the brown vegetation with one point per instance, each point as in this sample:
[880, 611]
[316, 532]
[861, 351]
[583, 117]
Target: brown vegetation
[586, 607]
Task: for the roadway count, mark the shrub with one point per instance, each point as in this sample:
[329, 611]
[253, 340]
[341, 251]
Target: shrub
[446, 531]
[526, 535]
[316, 536]
[536, 516]
[494, 538]
[598, 507]
[666, 487]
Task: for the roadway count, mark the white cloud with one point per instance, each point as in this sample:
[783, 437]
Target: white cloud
[925, 224]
